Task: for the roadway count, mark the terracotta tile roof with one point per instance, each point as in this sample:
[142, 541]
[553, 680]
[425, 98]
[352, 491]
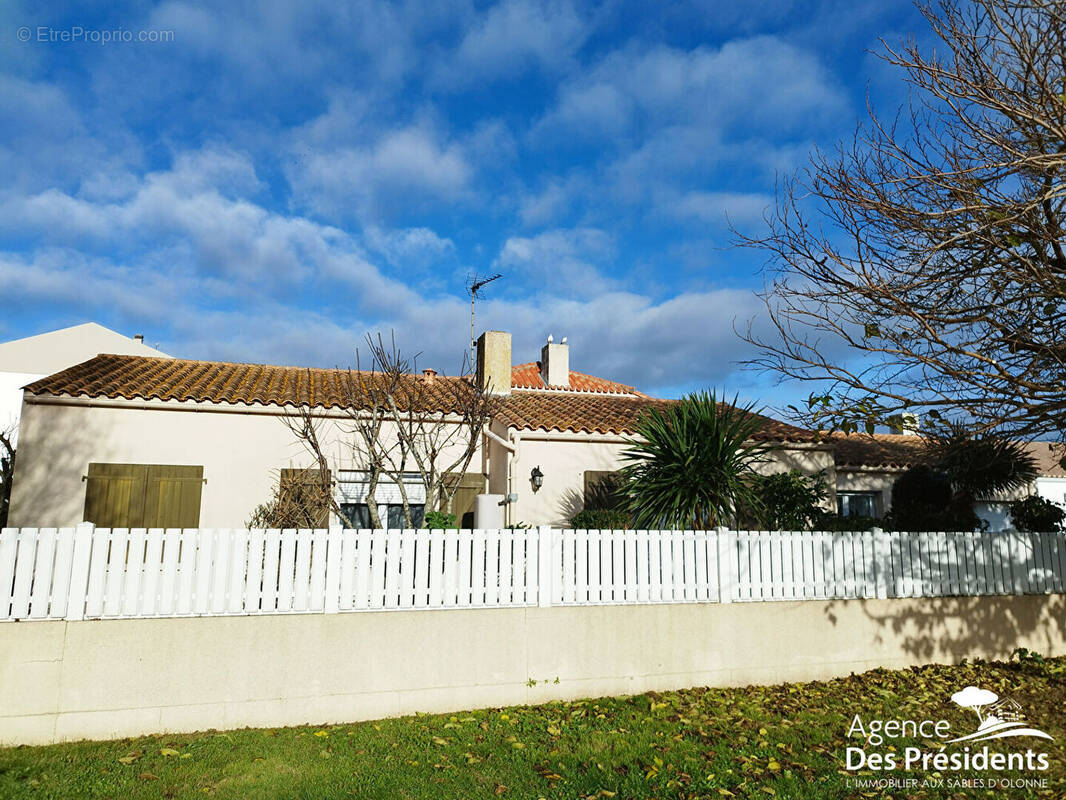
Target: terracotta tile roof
[898, 451]
[889, 450]
[1048, 455]
[527, 376]
[134, 377]
[604, 413]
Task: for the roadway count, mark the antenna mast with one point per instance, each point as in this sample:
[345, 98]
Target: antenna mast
[476, 286]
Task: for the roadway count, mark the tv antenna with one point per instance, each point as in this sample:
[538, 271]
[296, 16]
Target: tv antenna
[476, 284]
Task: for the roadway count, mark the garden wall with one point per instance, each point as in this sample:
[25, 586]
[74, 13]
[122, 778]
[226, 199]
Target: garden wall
[66, 680]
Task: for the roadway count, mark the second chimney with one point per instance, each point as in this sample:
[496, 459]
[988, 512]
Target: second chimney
[494, 362]
[555, 363]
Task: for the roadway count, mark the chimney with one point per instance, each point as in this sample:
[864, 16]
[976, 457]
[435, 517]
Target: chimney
[555, 363]
[140, 338]
[910, 426]
[429, 374]
[494, 362]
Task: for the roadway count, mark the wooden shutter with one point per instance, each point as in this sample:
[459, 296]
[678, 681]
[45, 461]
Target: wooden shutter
[469, 486]
[143, 495]
[114, 495]
[172, 498]
[309, 482]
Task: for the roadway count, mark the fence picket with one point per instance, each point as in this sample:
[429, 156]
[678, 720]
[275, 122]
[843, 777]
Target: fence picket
[253, 585]
[238, 571]
[41, 588]
[435, 564]
[153, 566]
[61, 574]
[9, 541]
[349, 545]
[466, 544]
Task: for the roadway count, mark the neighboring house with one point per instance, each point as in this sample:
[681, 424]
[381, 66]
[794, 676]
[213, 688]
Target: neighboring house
[23, 361]
[138, 441]
[868, 465]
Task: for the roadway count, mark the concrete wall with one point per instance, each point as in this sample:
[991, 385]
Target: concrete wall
[105, 679]
[241, 453]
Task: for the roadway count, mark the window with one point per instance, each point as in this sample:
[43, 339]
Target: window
[857, 504]
[352, 491]
[143, 495]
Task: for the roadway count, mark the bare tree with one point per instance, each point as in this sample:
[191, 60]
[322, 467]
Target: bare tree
[7, 471]
[439, 422]
[397, 423]
[920, 267]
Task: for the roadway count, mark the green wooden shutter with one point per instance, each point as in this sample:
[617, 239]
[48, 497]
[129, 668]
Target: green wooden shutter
[114, 495]
[172, 497]
[468, 486]
[143, 495]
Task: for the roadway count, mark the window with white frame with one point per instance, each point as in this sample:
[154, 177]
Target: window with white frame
[354, 500]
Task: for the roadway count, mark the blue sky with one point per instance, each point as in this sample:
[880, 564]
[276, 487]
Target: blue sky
[281, 178]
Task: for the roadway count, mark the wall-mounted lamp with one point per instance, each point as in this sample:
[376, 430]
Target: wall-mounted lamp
[536, 478]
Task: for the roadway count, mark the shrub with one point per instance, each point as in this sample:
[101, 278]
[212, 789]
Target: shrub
[1036, 514]
[923, 500]
[788, 501]
[601, 519]
[690, 465]
[436, 520]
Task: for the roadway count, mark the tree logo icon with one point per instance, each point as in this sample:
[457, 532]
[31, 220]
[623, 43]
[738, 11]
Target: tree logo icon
[998, 717]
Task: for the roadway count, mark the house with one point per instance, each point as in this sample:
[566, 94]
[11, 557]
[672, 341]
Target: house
[23, 361]
[867, 465]
[132, 440]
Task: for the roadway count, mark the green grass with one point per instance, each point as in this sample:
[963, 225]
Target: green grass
[782, 741]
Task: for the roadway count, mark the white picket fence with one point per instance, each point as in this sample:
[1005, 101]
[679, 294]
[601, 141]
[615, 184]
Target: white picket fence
[93, 573]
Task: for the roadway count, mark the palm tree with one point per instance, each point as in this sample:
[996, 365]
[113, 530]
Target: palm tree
[691, 463]
[960, 468]
[981, 466]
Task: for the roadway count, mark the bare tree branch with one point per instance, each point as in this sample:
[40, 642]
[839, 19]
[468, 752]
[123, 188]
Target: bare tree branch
[920, 266]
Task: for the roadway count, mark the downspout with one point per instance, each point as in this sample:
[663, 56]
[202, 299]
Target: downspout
[516, 440]
[511, 447]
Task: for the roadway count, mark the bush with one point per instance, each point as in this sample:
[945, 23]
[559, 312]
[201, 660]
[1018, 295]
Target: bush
[603, 519]
[1036, 514]
[923, 500]
[436, 520]
[786, 501]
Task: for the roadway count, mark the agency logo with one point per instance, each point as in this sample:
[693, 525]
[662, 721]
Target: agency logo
[1002, 717]
[948, 762]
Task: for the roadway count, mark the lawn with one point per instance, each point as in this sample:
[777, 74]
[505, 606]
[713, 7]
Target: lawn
[784, 741]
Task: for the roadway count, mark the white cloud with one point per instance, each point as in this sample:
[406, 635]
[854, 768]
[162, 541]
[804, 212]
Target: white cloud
[742, 208]
[512, 37]
[394, 170]
[410, 247]
[560, 261]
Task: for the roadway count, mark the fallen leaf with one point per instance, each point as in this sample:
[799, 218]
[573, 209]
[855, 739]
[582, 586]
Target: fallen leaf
[166, 752]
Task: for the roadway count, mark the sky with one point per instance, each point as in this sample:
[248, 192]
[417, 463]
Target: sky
[269, 182]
